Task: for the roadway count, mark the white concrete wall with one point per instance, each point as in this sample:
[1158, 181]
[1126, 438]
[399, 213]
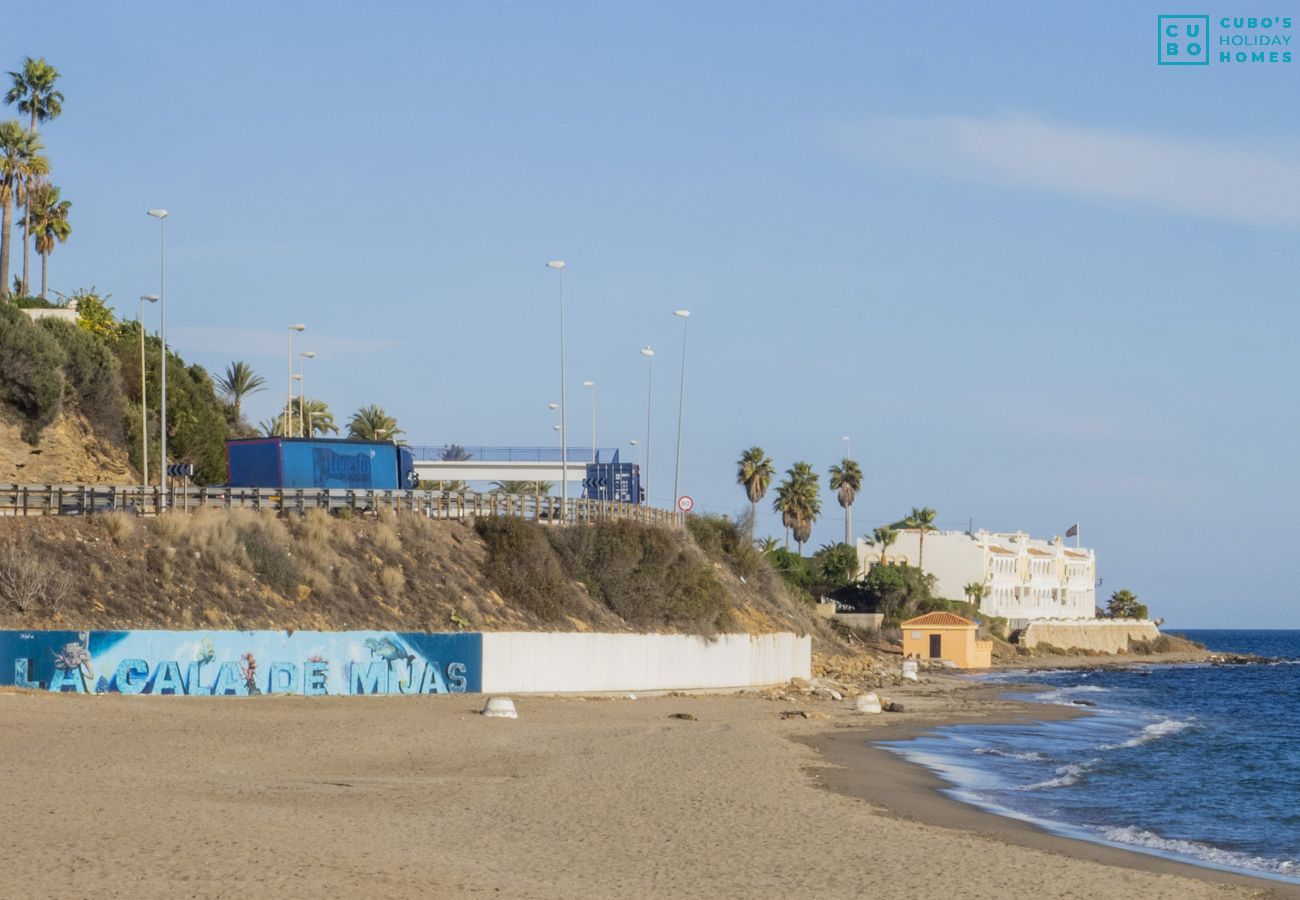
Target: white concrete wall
[540, 662]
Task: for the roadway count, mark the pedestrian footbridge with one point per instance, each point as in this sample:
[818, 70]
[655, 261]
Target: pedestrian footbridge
[454, 462]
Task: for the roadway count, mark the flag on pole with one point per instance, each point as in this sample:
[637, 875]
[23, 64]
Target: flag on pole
[1073, 530]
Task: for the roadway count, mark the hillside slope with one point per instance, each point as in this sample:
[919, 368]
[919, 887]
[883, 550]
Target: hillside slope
[244, 569]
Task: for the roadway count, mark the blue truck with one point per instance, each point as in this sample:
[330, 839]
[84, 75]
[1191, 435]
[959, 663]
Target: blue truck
[293, 463]
[616, 481]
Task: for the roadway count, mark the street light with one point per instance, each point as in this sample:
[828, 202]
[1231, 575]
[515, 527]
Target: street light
[558, 265]
[848, 447]
[161, 216]
[637, 444]
[302, 393]
[592, 385]
[288, 402]
[144, 406]
[684, 315]
[649, 388]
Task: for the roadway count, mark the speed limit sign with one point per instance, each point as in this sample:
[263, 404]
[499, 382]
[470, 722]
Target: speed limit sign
[685, 504]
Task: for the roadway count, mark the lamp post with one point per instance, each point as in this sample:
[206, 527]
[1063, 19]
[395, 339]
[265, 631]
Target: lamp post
[288, 401]
[637, 444]
[848, 447]
[302, 394]
[161, 216]
[649, 354]
[592, 385]
[558, 265]
[144, 405]
[684, 315]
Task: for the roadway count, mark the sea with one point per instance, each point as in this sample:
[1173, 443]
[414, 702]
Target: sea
[1195, 762]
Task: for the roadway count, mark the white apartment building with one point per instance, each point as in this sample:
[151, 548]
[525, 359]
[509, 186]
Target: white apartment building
[1024, 578]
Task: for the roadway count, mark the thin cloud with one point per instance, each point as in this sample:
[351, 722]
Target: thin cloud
[1211, 180]
[253, 342]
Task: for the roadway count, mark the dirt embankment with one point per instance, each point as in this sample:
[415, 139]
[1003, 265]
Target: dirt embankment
[70, 452]
[244, 569]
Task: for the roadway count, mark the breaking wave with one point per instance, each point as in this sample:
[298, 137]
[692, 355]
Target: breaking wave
[1065, 776]
[1149, 840]
[1153, 732]
[1028, 755]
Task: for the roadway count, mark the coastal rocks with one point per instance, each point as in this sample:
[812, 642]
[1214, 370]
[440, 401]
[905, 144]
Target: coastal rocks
[867, 704]
[685, 717]
[1239, 659]
[909, 669]
[891, 706]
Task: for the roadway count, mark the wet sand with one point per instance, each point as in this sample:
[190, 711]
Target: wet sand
[349, 796]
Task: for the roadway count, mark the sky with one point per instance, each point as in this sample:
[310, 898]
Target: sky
[1037, 278]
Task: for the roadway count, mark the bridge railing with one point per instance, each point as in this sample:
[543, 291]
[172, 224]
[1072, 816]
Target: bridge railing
[475, 453]
[97, 499]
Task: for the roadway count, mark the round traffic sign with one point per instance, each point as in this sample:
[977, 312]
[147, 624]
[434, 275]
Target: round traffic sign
[685, 503]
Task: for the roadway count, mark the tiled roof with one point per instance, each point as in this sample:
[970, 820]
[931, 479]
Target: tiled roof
[1076, 554]
[1035, 552]
[937, 618]
[994, 548]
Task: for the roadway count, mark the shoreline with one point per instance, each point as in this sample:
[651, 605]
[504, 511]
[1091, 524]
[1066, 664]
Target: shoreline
[857, 766]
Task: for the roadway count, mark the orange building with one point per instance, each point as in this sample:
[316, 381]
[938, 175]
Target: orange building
[945, 635]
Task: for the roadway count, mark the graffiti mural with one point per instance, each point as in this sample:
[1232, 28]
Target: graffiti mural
[242, 663]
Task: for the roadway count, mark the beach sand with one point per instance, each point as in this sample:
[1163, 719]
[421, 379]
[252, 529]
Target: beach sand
[351, 796]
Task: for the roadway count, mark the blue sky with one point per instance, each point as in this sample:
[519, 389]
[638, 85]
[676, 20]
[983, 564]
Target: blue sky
[1036, 277]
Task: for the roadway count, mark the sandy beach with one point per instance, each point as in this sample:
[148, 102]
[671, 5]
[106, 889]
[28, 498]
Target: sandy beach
[599, 797]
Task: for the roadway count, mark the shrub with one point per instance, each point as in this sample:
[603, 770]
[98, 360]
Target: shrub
[93, 376]
[31, 583]
[31, 371]
[647, 576]
[522, 565]
[726, 541]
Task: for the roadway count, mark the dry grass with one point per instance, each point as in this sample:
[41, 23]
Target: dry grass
[252, 569]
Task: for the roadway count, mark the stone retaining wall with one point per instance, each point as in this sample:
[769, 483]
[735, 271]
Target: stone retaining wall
[1098, 635]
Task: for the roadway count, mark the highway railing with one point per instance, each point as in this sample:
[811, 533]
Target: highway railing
[98, 499]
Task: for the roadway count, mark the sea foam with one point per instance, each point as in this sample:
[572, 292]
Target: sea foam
[1153, 732]
[1149, 840]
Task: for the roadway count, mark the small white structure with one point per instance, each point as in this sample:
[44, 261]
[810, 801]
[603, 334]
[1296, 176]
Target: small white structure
[65, 313]
[866, 703]
[1024, 578]
[500, 708]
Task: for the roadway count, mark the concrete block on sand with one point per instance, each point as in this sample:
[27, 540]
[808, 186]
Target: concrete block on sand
[866, 703]
[500, 708]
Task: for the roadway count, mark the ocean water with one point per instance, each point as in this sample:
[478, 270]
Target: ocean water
[1194, 762]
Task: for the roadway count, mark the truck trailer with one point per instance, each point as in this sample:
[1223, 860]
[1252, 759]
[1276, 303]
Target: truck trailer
[305, 463]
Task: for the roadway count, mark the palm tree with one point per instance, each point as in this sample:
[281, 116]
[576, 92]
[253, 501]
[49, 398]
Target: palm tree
[239, 381]
[270, 427]
[20, 162]
[48, 222]
[883, 538]
[922, 520]
[318, 414]
[767, 545]
[371, 423]
[784, 503]
[450, 487]
[799, 502]
[455, 453]
[975, 592]
[846, 481]
[33, 91]
[754, 473]
[519, 488]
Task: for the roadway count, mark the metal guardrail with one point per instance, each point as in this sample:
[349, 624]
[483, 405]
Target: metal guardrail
[97, 499]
